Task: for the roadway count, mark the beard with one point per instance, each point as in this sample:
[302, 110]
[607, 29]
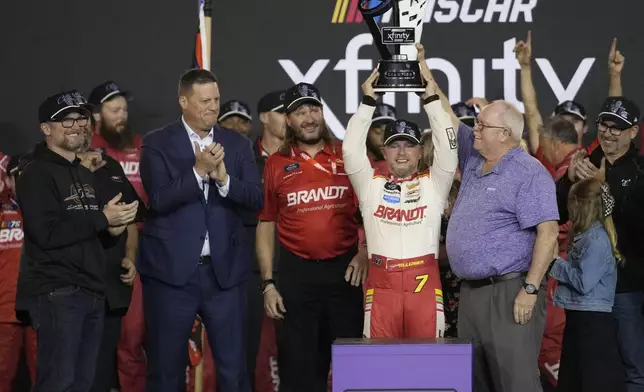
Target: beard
[115, 139]
[375, 151]
[309, 138]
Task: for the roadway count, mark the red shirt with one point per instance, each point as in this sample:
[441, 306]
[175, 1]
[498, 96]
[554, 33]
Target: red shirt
[11, 238]
[314, 208]
[550, 167]
[129, 160]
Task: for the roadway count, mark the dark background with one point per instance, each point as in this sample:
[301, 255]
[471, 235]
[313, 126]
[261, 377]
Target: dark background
[51, 45]
[144, 46]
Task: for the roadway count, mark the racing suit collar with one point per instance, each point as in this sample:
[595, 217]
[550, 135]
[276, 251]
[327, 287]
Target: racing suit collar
[410, 178]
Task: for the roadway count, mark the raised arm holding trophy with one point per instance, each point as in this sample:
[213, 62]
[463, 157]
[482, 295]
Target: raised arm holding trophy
[399, 71]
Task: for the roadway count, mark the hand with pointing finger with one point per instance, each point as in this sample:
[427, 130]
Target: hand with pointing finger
[523, 51]
[615, 59]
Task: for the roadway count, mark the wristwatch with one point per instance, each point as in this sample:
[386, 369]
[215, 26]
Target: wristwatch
[530, 288]
[265, 284]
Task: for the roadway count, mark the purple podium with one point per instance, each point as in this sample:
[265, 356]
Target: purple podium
[392, 365]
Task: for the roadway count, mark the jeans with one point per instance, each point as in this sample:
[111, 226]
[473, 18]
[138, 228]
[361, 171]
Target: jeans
[69, 328]
[628, 311]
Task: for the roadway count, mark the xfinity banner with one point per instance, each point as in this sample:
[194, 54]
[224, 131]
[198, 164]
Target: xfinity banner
[469, 45]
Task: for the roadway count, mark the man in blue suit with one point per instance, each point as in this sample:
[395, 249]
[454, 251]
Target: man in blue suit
[193, 256]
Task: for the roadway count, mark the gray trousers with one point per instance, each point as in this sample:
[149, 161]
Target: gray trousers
[505, 353]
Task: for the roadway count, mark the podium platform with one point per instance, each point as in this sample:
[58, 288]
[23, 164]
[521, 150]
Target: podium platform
[393, 365]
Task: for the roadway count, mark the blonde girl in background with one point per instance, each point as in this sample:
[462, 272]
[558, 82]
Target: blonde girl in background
[590, 359]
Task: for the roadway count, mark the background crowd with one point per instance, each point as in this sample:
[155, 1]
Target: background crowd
[152, 205]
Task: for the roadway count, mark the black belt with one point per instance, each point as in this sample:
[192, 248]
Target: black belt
[204, 260]
[476, 283]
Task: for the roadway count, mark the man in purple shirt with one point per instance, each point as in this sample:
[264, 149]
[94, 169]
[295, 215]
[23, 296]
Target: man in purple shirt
[501, 238]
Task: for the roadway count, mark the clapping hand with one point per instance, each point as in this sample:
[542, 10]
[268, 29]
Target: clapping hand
[119, 214]
[92, 160]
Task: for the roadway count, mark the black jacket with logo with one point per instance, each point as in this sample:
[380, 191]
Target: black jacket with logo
[63, 220]
[111, 180]
[625, 177]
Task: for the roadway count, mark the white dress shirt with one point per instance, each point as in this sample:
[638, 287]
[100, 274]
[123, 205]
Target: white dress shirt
[204, 182]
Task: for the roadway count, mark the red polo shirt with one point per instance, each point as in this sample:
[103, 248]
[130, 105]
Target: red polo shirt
[129, 160]
[550, 167]
[11, 239]
[312, 201]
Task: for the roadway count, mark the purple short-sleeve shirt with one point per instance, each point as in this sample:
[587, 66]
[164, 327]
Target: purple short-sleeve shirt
[492, 230]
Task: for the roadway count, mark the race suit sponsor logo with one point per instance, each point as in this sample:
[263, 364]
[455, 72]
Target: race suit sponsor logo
[315, 195]
[415, 200]
[391, 199]
[399, 216]
[130, 168]
[412, 192]
[291, 167]
[10, 235]
[413, 185]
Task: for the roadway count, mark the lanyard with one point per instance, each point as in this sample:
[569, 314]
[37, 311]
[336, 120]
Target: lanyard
[334, 166]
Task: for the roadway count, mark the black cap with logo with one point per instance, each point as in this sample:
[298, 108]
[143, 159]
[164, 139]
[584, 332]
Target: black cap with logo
[466, 114]
[235, 108]
[106, 91]
[402, 129]
[59, 105]
[383, 114]
[621, 111]
[300, 94]
[272, 102]
[570, 107]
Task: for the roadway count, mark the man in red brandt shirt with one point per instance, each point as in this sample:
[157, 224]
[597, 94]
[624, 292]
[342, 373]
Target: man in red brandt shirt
[15, 337]
[114, 137]
[310, 202]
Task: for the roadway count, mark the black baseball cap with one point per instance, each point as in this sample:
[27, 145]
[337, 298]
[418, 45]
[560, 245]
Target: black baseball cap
[272, 102]
[570, 107]
[620, 110]
[299, 94]
[402, 129]
[106, 91]
[383, 114]
[463, 111]
[57, 106]
[235, 108]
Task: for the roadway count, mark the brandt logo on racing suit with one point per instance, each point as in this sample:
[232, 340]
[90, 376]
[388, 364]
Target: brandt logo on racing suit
[399, 216]
[314, 195]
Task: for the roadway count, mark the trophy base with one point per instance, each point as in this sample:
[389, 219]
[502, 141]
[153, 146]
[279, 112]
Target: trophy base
[399, 76]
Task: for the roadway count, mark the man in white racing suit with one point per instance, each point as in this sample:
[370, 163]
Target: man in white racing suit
[401, 210]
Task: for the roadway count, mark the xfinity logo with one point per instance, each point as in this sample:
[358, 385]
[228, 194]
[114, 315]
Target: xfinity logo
[397, 35]
[314, 195]
[506, 63]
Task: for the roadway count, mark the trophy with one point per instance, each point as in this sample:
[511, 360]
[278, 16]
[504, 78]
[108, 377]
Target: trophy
[400, 70]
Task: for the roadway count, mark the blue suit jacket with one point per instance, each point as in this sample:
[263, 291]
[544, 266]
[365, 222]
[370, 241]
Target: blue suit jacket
[175, 228]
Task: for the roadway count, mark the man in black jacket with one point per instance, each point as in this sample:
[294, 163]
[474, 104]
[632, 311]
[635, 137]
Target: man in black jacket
[66, 218]
[619, 161]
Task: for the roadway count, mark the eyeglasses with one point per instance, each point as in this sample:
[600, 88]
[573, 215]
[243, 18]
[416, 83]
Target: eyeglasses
[479, 126]
[69, 122]
[601, 127]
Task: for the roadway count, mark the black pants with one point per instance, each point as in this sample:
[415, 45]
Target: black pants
[69, 328]
[590, 358]
[106, 376]
[320, 307]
